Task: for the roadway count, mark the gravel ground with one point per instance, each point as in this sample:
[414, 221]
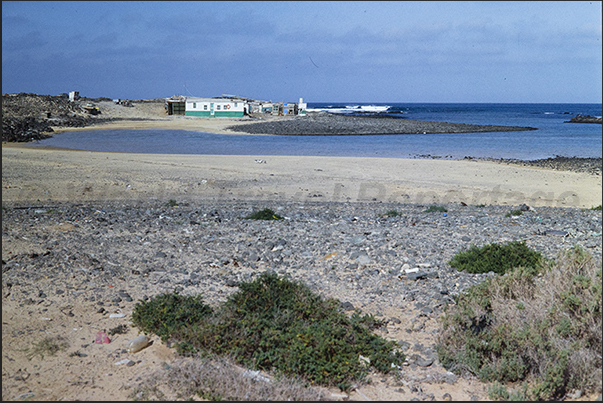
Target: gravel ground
[343, 250]
[322, 123]
[79, 265]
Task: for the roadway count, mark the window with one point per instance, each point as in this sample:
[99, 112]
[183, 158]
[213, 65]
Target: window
[194, 105]
[236, 104]
[205, 107]
[217, 107]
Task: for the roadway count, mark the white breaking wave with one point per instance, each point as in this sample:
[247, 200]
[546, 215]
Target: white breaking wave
[352, 109]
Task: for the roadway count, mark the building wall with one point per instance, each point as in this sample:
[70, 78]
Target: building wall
[225, 108]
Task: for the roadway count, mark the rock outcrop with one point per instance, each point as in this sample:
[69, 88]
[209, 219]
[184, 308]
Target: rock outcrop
[585, 119]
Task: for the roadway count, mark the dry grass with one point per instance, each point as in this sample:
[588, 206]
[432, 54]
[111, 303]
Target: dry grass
[218, 378]
[545, 329]
[48, 346]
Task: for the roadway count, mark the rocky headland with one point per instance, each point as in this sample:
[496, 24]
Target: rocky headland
[29, 117]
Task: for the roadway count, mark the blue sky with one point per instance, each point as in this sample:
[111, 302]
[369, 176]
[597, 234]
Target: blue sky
[403, 51]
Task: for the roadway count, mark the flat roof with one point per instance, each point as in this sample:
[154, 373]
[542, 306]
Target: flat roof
[197, 99]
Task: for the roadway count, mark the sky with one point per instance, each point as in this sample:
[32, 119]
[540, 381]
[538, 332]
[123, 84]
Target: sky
[341, 51]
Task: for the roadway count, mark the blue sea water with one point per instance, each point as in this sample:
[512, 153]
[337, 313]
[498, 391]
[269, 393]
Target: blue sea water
[553, 137]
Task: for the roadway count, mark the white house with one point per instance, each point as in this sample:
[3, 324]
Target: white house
[215, 107]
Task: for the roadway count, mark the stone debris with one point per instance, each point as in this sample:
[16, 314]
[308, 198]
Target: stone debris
[342, 250]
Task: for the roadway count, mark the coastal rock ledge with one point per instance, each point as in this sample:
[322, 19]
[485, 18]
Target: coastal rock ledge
[585, 119]
[327, 124]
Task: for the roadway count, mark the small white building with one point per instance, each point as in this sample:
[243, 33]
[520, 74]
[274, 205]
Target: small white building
[301, 107]
[215, 107]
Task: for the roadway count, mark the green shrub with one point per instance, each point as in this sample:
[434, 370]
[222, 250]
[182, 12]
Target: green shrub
[497, 391]
[543, 330]
[390, 213]
[596, 208]
[496, 258]
[274, 323]
[514, 213]
[166, 314]
[266, 214]
[435, 209]
[171, 203]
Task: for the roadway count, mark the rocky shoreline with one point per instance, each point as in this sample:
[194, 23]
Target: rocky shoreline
[30, 117]
[593, 166]
[328, 124]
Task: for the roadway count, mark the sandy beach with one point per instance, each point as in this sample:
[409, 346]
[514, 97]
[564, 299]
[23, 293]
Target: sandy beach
[36, 179]
[48, 176]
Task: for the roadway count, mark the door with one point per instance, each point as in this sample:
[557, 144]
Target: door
[211, 109]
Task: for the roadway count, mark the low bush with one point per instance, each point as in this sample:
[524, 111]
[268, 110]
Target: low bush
[496, 258]
[514, 213]
[273, 323]
[167, 314]
[436, 209]
[266, 214]
[390, 213]
[543, 330]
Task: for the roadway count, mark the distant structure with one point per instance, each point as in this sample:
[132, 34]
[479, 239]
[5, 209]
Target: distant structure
[175, 105]
[74, 96]
[230, 106]
[215, 107]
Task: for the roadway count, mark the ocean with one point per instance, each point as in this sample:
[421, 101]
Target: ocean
[554, 136]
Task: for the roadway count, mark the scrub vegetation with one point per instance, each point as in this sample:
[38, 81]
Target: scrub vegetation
[274, 324]
[496, 258]
[537, 329]
[436, 209]
[266, 214]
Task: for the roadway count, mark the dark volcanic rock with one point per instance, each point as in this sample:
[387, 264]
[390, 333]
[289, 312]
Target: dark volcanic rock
[24, 129]
[325, 124]
[585, 119]
[593, 166]
[29, 117]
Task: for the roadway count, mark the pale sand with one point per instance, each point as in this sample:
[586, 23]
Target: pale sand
[31, 175]
[168, 122]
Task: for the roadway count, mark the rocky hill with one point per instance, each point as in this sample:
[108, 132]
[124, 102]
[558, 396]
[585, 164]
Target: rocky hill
[28, 117]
